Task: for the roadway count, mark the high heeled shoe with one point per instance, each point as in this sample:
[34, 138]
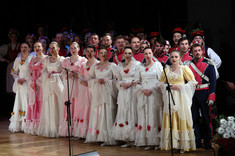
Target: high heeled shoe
[181, 151]
[103, 144]
[127, 145]
[148, 148]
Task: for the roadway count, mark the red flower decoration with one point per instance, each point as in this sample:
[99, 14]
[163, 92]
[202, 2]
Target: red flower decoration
[81, 120]
[126, 122]
[72, 63]
[88, 69]
[148, 128]
[126, 71]
[115, 124]
[146, 69]
[140, 127]
[136, 125]
[121, 125]
[77, 120]
[97, 132]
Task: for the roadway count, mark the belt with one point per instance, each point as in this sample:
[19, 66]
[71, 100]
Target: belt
[203, 86]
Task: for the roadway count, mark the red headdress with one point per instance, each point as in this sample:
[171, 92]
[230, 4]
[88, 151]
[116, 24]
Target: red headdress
[153, 34]
[179, 30]
[197, 33]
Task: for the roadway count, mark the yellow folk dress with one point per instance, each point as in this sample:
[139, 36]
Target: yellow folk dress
[182, 124]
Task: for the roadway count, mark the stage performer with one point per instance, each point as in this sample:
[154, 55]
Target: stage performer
[184, 48]
[20, 73]
[35, 90]
[94, 40]
[177, 33]
[124, 127]
[117, 56]
[74, 64]
[181, 117]
[103, 106]
[135, 45]
[198, 35]
[159, 54]
[204, 97]
[107, 43]
[84, 96]
[53, 93]
[149, 104]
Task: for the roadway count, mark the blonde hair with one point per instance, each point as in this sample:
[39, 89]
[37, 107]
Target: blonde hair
[76, 44]
[54, 42]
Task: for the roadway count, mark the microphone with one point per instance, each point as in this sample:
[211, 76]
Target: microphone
[163, 64]
[67, 69]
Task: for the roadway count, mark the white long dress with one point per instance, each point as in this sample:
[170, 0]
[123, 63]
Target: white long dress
[103, 105]
[81, 122]
[124, 127]
[149, 108]
[53, 99]
[74, 91]
[20, 70]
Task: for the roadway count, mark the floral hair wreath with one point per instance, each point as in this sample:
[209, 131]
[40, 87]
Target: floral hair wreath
[168, 43]
[194, 42]
[44, 37]
[30, 36]
[145, 42]
[71, 35]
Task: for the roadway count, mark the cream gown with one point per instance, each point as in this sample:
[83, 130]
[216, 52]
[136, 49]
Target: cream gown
[18, 118]
[53, 99]
[182, 124]
[124, 127]
[149, 108]
[103, 105]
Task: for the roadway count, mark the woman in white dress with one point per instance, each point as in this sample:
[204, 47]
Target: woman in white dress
[21, 74]
[84, 96]
[35, 90]
[74, 64]
[124, 127]
[149, 104]
[53, 94]
[182, 125]
[103, 105]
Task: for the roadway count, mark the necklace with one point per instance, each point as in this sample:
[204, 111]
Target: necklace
[74, 59]
[54, 59]
[174, 68]
[24, 57]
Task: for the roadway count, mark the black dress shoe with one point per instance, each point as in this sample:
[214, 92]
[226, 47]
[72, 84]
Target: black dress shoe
[198, 145]
[208, 147]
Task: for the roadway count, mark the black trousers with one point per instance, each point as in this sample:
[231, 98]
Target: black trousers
[200, 103]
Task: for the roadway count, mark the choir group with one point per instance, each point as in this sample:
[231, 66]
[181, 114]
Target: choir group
[118, 93]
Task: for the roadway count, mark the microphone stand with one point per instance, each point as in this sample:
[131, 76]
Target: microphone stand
[67, 103]
[170, 96]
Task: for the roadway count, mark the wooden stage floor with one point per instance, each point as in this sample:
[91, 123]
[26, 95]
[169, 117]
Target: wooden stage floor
[20, 144]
